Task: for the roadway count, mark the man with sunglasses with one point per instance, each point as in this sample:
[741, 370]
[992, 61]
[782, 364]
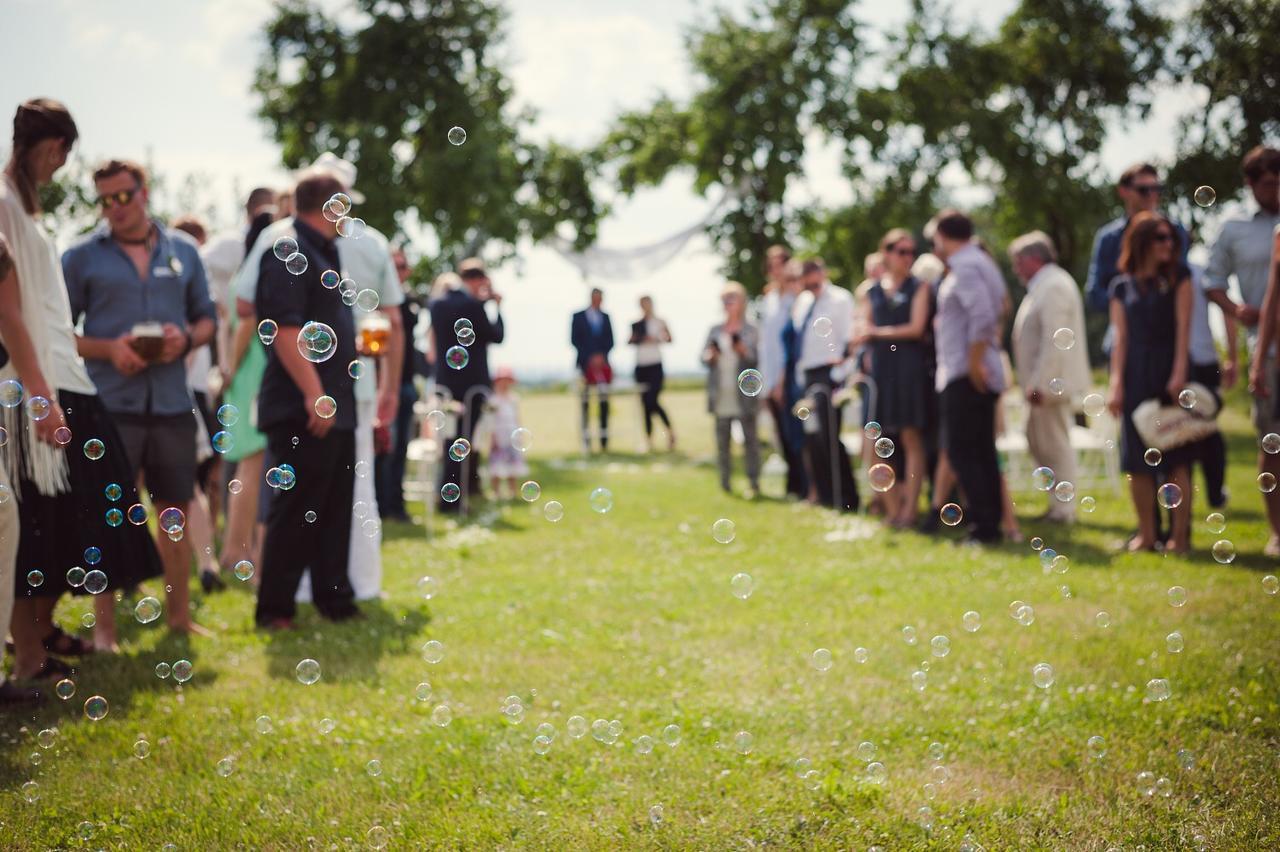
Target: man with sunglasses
[1243, 250]
[129, 275]
[1139, 189]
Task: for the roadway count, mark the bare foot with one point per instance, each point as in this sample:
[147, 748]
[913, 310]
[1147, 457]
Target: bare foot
[1138, 543]
[1173, 546]
[191, 629]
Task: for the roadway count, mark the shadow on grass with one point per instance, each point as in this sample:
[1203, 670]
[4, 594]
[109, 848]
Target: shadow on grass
[347, 651]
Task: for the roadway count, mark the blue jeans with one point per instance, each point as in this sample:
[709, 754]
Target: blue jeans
[388, 468]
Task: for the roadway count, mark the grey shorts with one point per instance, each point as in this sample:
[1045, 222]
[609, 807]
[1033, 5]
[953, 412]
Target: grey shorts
[163, 448]
[1264, 411]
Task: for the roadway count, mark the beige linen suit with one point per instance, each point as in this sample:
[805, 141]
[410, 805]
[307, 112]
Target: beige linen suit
[1052, 302]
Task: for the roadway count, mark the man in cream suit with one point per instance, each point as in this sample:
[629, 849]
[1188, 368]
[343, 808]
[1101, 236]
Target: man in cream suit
[1051, 358]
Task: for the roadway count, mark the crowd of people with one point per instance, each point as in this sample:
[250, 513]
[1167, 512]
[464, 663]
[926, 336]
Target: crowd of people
[156, 379]
[921, 339]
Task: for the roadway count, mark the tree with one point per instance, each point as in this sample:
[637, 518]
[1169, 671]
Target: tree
[1227, 47]
[764, 85]
[385, 91]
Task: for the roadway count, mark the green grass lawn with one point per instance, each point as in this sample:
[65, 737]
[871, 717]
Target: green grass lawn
[630, 616]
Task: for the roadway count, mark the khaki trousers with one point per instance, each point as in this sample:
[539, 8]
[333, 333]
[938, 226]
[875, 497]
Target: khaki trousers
[1048, 438]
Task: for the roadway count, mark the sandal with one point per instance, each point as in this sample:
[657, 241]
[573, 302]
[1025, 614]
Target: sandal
[66, 645]
[51, 668]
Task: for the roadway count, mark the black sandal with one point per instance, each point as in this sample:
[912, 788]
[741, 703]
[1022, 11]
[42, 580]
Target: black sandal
[51, 668]
[66, 645]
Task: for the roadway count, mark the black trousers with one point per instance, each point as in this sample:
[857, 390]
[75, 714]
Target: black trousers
[1212, 453]
[969, 427]
[325, 482]
[452, 471]
[650, 378]
[797, 482]
[828, 461]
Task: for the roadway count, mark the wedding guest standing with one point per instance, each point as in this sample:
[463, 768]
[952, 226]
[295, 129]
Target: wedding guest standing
[1050, 354]
[732, 346]
[896, 318]
[648, 335]
[777, 339]
[1151, 315]
[591, 334]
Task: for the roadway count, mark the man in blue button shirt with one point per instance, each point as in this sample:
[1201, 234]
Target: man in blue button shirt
[140, 289]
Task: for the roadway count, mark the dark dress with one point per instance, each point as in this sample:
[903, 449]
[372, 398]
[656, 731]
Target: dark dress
[1151, 317]
[898, 367]
[57, 531]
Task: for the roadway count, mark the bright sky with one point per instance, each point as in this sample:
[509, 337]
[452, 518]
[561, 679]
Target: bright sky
[169, 82]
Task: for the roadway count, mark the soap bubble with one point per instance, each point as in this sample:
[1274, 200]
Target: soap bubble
[10, 393]
[1102, 619]
[1042, 675]
[450, 492]
[601, 500]
[163, 670]
[671, 735]
[95, 582]
[310, 516]
[1158, 689]
[284, 247]
[1057, 386]
[94, 449]
[723, 531]
[182, 671]
[35, 578]
[1224, 552]
[742, 586]
[553, 511]
[1088, 504]
[1169, 496]
[75, 576]
[576, 726]
[367, 300]
[351, 227]
[1152, 457]
[296, 263]
[1187, 398]
[872, 430]
[951, 514]
[861, 655]
[521, 439]
[326, 407]
[884, 447]
[1271, 443]
[441, 715]
[881, 477]
[459, 449]
[743, 742]
[1064, 339]
[96, 708]
[821, 659]
[467, 337]
[940, 645]
[342, 202]
[65, 689]
[1174, 643]
[308, 672]
[1094, 404]
[972, 621]
[329, 279]
[530, 491]
[750, 382]
[822, 326]
[1097, 747]
[1216, 522]
[1270, 584]
[457, 136]
[1205, 196]
[222, 442]
[38, 408]
[1042, 478]
[243, 570]
[1177, 596]
[457, 357]
[172, 519]
[147, 610]
[460, 324]
[428, 587]
[267, 331]
[1064, 492]
[433, 651]
[317, 342]
[1266, 482]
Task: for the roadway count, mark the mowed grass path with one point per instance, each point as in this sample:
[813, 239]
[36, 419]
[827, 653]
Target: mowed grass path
[629, 616]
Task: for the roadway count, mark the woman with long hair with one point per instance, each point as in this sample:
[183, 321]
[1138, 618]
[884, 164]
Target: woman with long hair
[895, 314]
[648, 335]
[64, 456]
[1151, 314]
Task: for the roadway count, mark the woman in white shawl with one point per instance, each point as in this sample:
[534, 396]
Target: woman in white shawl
[64, 458]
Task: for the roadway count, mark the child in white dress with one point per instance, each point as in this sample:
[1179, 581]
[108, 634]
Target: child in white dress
[507, 440]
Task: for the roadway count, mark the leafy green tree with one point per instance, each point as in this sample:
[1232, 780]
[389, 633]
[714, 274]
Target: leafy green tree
[1229, 48]
[385, 92]
[764, 85]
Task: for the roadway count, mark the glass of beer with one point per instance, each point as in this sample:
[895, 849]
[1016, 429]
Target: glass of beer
[373, 334]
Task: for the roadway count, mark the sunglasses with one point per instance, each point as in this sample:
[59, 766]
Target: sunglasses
[1163, 237]
[1149, 189]
[903, 252]
[123, 197]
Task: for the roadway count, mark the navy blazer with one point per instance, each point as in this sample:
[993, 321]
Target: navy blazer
[589, 342]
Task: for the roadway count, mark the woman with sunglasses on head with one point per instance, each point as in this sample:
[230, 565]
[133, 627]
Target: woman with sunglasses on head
[1151, 302]
[895, 312]
[63, 451]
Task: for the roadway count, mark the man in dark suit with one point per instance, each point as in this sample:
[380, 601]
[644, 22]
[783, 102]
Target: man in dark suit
[466, 302]
[592, 335]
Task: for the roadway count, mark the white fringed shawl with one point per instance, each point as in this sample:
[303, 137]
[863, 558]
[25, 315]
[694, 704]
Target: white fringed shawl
[39, 279]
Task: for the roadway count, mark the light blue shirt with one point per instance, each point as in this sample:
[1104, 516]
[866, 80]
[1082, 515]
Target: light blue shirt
[1202, 350]
[970, 302]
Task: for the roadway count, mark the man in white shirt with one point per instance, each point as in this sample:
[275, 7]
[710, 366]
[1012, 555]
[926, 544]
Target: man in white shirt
[1051, 359]
[775, 315]
[366, 261]
[823, 320]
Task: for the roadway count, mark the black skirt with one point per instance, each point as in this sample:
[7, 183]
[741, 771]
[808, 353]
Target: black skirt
[77, 529]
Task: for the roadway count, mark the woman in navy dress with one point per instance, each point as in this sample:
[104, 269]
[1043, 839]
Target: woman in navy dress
[1151, 313]
[895, 320]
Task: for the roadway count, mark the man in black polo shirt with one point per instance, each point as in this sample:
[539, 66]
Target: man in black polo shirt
[301, 427]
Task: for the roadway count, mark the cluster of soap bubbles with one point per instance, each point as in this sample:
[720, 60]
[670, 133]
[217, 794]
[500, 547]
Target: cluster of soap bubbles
[282, 477]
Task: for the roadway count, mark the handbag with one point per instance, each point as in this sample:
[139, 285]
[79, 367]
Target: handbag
[1167, 427]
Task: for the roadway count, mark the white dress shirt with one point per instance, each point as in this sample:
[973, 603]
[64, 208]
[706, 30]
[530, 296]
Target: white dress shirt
[833, 303]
